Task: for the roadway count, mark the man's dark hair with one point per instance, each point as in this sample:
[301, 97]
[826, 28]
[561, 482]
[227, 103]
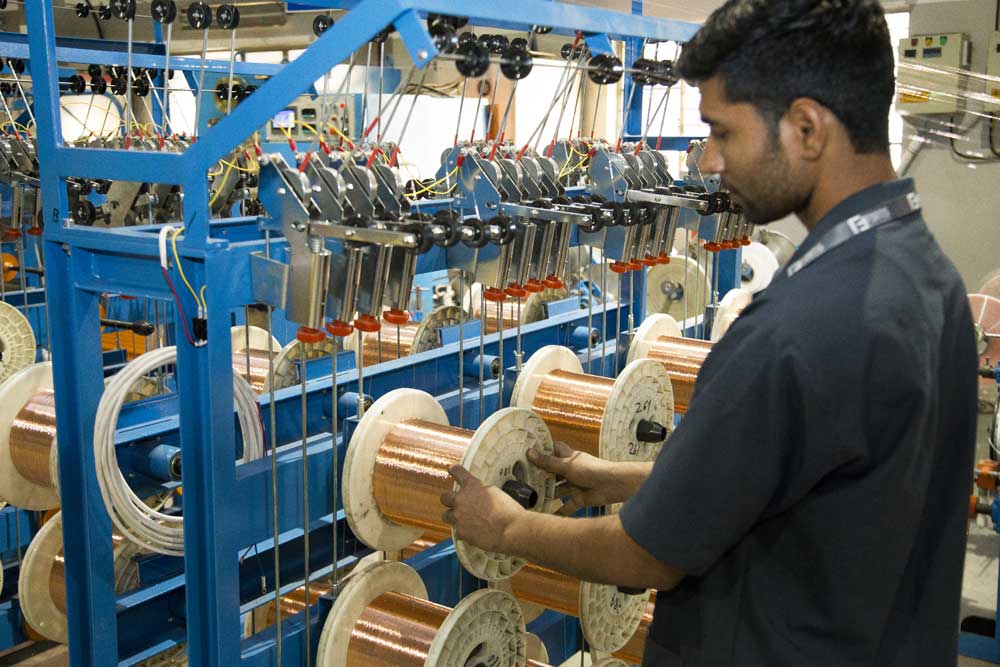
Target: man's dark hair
[769, 53]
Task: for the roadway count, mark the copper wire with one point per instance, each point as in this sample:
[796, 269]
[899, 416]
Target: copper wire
[260, 367]
[291, 604]
[636, 646]
[535, 663]
[32, 435]
[547, 588]
[57, 575]
[572, 405]
[371, 354]
[509, 313]
[423, 543]
[395, 631]
[411, 473]
[683, 359]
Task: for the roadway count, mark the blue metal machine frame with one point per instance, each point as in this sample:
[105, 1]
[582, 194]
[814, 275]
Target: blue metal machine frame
[199, 599]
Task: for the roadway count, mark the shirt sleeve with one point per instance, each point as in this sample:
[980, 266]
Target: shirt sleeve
[734, 457]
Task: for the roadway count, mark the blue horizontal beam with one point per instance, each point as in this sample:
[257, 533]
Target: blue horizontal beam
[666, 143]
[107, 52]
[120, 165]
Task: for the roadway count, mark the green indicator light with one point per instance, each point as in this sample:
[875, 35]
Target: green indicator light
[944, 40]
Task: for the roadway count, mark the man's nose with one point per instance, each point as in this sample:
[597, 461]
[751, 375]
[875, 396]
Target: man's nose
[711, 160]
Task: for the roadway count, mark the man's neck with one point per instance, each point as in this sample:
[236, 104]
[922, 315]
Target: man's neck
[842, 180]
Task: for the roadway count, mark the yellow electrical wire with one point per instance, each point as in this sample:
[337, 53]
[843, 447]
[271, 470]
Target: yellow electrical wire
[237, 167]
[218, 191]
[341, 134]
[201, 293]
[180, 267]
[428, 188]
[567, 172]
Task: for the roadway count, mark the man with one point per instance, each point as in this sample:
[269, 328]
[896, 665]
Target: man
[810, 507]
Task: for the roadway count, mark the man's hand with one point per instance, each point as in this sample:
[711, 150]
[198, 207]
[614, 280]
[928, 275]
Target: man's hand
[591, 482]
[479, 514]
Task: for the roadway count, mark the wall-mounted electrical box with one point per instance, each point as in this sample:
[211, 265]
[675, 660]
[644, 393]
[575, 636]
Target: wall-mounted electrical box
[993, 72]
[300, 118]
[931, 78]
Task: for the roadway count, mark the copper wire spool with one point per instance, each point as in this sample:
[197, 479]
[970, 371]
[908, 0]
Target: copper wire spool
[391, 347]
[607, 616]
[507, 312]
[382, 618]
[659, 338]
[632, 651]
[986, 319]
[32, 436]
[260, 367]
[683, 359]
[397, 465]
[411, 473]
[291, 604]
[609, 418]
[572, 405]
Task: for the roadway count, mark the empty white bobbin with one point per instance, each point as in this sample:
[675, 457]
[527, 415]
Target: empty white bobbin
[17, 341]
[258, 339]
[496, 454]
[35, 581]
[485, 628]
[426, 336]
[15, 488]
[535, 648]
[729, 309]
[641, 392]
[759, 267]
[649, 332]
[670, 286]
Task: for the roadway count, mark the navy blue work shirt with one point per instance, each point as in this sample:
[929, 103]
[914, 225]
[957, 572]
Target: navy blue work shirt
[816, 491]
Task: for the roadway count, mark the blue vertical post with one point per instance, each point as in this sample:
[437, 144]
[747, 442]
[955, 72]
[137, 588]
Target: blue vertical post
[77, 377]
[205, 380]
[633, 50]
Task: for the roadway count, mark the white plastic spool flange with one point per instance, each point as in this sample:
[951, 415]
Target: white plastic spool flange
[649, 332]
[682, 271]
[729, 309]
[258, 339]
[609, 617]
[486, 624]
[286, 363]
[759, 258]
[15, 393]
[17, 341]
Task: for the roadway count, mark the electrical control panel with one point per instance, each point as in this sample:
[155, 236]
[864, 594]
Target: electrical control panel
[931, 77]
[993, 72]
[301, 119]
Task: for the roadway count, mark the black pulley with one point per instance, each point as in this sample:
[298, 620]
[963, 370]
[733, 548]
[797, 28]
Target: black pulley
[605, 68]
[473, 59]
[152, 73]
[519, 43]
[98, 86]
[645, 72]
[665, 74]
[466, 38]
[77, 84]
[498, 44]
[508, 229]
[104, 13]
[140, 87]
[383, 35]
[411, 189]
[227, 17]
[569, 51]
[322, 23]
[114, 71]
[123, 9]
[515, 63]
[5, 88]
[424, 240]
[478, 237]
[444, 37]
[541, 29]
[84, 213]
[16, 65]
[102, 186]
[119, 86]
[94, 71]
[82, 10]
[452, 223]
[163, 11]
[199, 15]
[455, 22]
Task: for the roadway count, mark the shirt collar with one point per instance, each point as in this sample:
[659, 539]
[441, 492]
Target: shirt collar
[861, 201]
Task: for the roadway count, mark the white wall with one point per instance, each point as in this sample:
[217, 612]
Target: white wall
[961, 202]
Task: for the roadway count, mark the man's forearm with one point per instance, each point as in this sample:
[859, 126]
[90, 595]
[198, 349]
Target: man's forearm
[592, 549]
[629, 477]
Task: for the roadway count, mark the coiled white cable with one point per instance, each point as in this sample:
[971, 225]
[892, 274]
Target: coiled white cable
[140, 523]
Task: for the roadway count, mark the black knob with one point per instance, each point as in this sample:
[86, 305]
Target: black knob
[5, 88]
[498, 44]
[84, 213]
[382, 35]
[650, 431]
[163, 11]
[140, 87]
[466, 38]
[321, 24]
[519, 43]
[98, 86]
[631, 591]
[199, 15]
[525, 496]
[645, 72]
[541, 29]
[104, 13]
[94, 71]
[119, 86]
[228, 17]
[82, 10]
[445, 39]
[478, 237]
[16, 65]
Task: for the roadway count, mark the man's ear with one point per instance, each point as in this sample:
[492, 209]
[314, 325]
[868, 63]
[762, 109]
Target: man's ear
[806, 128]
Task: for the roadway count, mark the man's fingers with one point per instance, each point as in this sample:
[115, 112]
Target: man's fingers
[448, 498]
[448, 517]
[545, 462]
[570, 507]
[460, 474]
[562, 450]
